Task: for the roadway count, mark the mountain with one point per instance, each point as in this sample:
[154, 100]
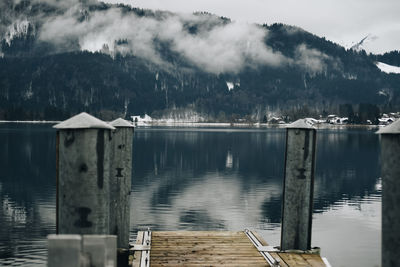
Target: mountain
[63, 57]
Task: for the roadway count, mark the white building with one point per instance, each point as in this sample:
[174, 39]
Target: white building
[333, 119]
[386, 121]
[141, 119]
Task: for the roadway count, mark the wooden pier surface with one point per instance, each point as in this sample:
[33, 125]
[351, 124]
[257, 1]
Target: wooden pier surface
[212, 248]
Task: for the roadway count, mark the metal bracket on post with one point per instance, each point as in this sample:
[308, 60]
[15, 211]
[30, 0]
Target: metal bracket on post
[264, 250]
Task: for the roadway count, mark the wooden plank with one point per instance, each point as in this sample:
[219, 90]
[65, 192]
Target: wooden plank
[180, 250]
[276, 256]
[195, 243]
[203, 252]
[137, 254]
[204, 255]
[217, 248]
[201, 236]
[183, 240]
[203, 245]
[204, 248]
[314, 260]
[185, 262]
[200, 243]
[293, 259]
[199, 233]
[236, 250]
[188, 239]
[209, 264]
[209, 256]
[209, 259]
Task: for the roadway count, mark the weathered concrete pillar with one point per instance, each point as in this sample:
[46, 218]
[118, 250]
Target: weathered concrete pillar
[390, 173]
[120, 186]
[298, 186]
[82, 251]
[83, 162]
[101, 250]
[64, 251]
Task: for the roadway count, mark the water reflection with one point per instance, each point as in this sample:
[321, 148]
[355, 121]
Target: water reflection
[213, 179]
[202, 179]
[241, 165]
[27, 212]
[347, 166]
[217, 177]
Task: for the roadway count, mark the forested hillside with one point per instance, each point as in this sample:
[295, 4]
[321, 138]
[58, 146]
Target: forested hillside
[61, 58]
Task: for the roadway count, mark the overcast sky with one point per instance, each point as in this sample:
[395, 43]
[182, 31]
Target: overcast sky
[344, 22]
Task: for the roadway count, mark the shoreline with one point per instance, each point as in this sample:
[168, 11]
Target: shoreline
[248, 125]
[218, 124]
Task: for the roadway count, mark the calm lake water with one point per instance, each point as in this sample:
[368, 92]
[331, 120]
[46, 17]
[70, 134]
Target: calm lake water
[203, 179]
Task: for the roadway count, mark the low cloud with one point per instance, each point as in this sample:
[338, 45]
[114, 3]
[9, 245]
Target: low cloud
[215, 47]
[225, 48]
[311, 60]
[204, 41]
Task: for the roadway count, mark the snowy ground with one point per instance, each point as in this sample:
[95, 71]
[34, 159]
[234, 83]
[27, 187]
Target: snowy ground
[388, 68]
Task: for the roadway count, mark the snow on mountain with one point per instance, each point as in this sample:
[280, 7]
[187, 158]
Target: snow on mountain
[230, 85]
[360, 45]
[17, 29]
[388, 68]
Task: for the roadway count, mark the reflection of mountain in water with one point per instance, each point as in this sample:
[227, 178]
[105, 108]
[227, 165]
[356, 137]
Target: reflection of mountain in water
[215, 173]
[347, 166]
[211, 173]
[27, 189]
[259, 153]
[183, 179]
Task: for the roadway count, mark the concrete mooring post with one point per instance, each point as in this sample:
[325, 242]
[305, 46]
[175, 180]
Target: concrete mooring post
[64, 251]
[83, 162]
[120, 186]
[298, 186]
[390, 173]
[82, 251]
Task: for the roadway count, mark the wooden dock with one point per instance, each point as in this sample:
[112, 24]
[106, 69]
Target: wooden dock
[213, 248]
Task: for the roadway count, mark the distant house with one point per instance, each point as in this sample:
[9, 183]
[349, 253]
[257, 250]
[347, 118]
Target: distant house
[333, 119]
[343, 120]
[386, 121]
[142, 119]
[276, 120]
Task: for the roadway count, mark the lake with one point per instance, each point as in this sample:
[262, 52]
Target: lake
[203, 179]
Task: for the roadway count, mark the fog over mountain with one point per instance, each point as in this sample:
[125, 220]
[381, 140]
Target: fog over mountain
[206, 41]
[62, 57]
[343, 22]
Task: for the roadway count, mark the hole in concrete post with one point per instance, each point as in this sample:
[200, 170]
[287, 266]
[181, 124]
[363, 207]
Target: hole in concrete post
[83, 168]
